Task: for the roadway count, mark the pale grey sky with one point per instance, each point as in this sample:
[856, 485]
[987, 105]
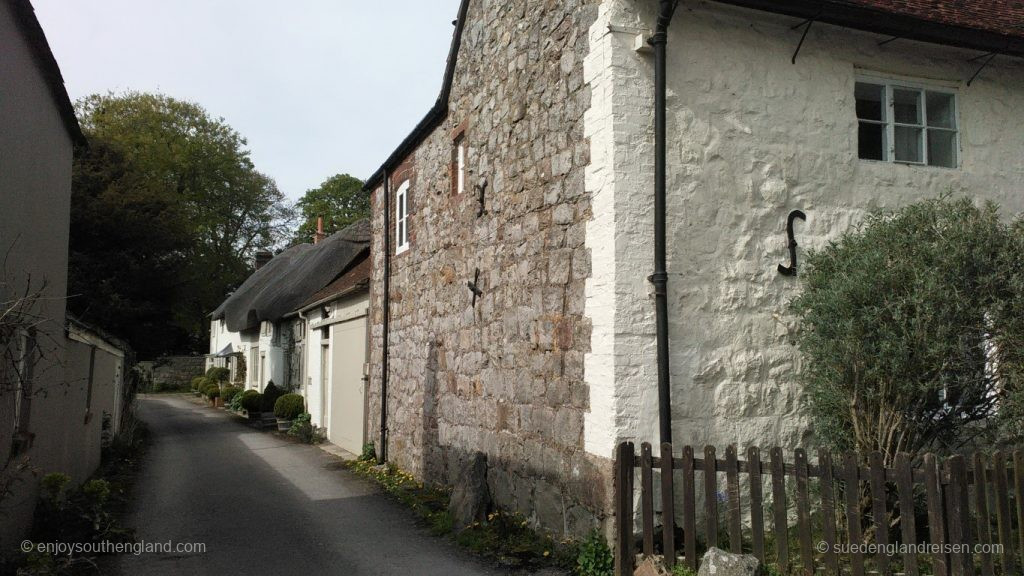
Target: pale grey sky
[318, 87]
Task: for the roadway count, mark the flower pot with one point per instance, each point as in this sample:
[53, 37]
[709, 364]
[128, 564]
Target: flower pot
[284, 425]
[219, 402]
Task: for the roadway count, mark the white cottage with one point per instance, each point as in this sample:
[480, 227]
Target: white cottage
[254, 326]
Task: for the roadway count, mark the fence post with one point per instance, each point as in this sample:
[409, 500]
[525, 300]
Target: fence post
[647, 497]
[879, 514]
[1018, 481]
[828, 511]
[625, 457]
[689, 510]
[803, 512]
[961, 562]
[1003, 513]
[936, 518]
[756, 501]
[780, 518]
[984, 520]
[732, 489]
[668, 505]
[851, 494]
[905, 489]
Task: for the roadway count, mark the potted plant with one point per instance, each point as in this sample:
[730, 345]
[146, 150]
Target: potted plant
[228, 394]
[198, 383]
[213, 394]
[287, 408]
[251, 402]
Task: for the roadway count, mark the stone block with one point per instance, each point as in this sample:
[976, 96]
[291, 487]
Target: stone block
[718, 562]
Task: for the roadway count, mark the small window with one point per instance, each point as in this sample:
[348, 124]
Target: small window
[906, 124]
[459, 163]
[402, 218]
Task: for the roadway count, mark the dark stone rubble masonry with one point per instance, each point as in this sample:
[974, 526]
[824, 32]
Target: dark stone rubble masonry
[504, 377]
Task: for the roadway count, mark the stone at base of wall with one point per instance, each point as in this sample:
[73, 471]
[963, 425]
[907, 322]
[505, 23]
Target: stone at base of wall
[721, 563]
[470, 496]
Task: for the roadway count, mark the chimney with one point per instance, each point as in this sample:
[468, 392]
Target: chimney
[319, 230]
[262, 257]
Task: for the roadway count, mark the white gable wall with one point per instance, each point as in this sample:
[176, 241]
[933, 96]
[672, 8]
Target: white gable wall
[751, 137]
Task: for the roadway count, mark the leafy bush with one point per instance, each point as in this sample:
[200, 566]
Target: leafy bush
[75, 514]
[270, 395]
[251, 401]
[595, 558]
[681, 569]
[198, 382]
[369, 453]
[289, 406]
[306, 431]
[236, 400]
[164, 387]
[229, 393]
[218, 374]
[911, 330]
[213, 392]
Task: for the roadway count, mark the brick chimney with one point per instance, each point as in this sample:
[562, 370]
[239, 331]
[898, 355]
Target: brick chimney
[262, 257]
[319, 230]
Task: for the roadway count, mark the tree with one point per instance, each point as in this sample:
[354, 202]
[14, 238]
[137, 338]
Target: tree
[168, 211]
[340, 200]
[910, 330]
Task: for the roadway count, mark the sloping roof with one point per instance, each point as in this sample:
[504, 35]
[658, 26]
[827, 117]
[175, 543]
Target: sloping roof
[291, 277]
[25, 15]
[995, 26]
[357, 277]
[999, 16]
[437, 113]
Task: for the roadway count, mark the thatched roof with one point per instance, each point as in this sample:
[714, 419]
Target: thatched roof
[292, 277]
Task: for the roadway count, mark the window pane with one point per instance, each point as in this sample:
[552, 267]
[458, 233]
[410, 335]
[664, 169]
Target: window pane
[942, 148]
[906, 106]
[908, 144]
[869, 101]
[871, 141]
[940, 110]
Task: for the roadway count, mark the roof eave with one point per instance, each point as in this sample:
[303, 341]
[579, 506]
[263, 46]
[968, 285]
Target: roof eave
[890, 24]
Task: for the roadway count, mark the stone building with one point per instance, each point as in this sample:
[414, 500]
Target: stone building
[513, 229]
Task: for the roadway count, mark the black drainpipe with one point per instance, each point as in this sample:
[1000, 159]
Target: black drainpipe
[382, 457]
[660, 277]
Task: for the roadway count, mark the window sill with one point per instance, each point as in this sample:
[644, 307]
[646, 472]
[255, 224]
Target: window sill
[909, 164]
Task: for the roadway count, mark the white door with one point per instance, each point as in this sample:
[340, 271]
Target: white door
[348, 353]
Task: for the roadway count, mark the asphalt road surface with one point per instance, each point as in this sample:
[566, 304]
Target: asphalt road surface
[262, 505]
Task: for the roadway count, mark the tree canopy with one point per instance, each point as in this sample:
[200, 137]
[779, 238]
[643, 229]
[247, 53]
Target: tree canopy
[911, 331]
[168, 210]
[340, 200]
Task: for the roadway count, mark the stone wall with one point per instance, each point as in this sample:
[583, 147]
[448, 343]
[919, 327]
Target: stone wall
[752, 136]
[504, 376]
[179, 370]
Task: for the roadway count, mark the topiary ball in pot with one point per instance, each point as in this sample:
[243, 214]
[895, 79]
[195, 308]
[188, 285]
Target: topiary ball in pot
[251, 401]
[229, 393]
[218, 374]
[287, 408]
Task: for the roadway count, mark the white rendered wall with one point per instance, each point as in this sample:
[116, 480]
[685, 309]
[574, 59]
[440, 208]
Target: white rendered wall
[751, 137]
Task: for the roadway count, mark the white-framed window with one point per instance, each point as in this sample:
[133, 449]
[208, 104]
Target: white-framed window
[402, 218]
[907, 123]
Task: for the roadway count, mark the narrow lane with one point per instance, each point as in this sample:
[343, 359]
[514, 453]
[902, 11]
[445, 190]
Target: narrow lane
[266, 506]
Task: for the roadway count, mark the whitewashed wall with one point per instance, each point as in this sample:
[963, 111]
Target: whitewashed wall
[751, 137]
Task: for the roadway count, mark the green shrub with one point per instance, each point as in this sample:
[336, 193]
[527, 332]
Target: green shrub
[218, 374]
[236, 400]
[306, 431]
[911, 329]
[681, 569]
[369, 453]
[270, 395]
[289, 406]
[213, 392]
[251, 401]
[198, 382]
[229, 393]
[595, 558]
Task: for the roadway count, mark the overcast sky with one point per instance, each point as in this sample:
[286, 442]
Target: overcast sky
[318, 87]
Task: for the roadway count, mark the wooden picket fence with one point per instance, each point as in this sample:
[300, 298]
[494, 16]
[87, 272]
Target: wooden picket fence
[976, 500]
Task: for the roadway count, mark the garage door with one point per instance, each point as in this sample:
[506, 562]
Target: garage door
[348, 353]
